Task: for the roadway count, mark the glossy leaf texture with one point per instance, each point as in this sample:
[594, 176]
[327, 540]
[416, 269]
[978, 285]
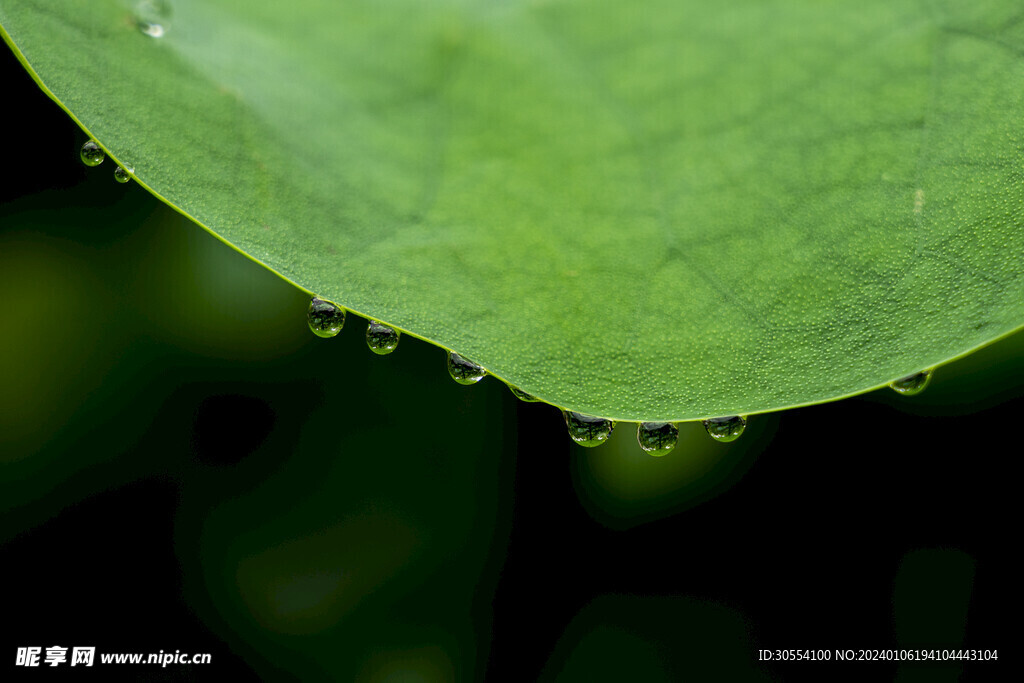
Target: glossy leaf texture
[658, 210]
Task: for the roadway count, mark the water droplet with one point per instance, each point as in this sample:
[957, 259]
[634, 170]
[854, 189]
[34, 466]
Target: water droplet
[151, 30]
[381, 339]
[586, 430]
[464, 371]
[725, 429]
[657, 438]
[325, 319]
[912, 384]
[522, 395]
[122, 174]
[91, 154]
[152, 16]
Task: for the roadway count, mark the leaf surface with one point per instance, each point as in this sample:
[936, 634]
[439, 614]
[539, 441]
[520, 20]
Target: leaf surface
[657, 210]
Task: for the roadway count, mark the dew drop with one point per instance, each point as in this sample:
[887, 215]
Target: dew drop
[152, 16]
[151, 30]
[657, 438]
[522, 395]
[325, 319]
[381, 339]
[912, 384]
[91, 154]
[122, 174]
[725, 429]
[464, 371]
[586, 430]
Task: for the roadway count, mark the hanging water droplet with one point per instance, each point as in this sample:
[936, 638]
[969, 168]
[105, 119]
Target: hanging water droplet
[587, 430]
[912, 384]
[381, 339]
[657, 438]
[464, 371]
[522, 395]
[122, 174]
[725, 429]
[325, 319]
[91, 154]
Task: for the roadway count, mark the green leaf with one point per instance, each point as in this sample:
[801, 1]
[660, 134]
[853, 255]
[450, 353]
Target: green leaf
[659, 210]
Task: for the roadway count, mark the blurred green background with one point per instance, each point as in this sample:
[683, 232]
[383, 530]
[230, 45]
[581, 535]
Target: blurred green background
[183, 465]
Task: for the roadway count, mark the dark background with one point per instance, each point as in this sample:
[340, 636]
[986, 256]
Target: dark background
[183, 466]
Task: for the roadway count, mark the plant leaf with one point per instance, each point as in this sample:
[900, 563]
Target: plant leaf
[659, 210]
